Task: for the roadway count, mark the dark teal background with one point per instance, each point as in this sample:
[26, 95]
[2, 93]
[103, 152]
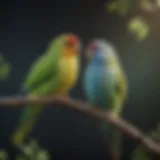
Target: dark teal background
[26, 28]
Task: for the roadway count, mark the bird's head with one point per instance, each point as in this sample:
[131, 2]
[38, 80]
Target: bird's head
[101, 50]
[66, 44]
[70, 45]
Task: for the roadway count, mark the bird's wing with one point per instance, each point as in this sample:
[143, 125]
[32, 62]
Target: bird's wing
[121, 91]
[42, 71]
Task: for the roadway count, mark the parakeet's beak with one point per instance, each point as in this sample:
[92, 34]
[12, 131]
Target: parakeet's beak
[89, 50]
[73, 46]
[75, 51]
[78, 48]
[88, 54]
[76, 44]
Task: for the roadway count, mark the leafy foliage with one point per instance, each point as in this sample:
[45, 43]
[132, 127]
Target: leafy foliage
[31, 151]
[141, 154]
[4, 68]
[3, 155]
[120, 7]
[139, 28]
[136, 25]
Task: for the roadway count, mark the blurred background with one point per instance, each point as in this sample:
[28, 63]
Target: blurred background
[26, 28]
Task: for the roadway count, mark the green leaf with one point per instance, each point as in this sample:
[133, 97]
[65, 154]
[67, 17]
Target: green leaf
[3, 155]
[145, 5]
[4, 71]
[139, 28]
[32, 151]
[149, 5]
[120, 7]
[4, 68]
[112, 6]
[141, 153]
[43, 155]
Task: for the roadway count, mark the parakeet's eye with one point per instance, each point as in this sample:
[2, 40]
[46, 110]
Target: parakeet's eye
[69, 44]
[71, 41]
[92, 48]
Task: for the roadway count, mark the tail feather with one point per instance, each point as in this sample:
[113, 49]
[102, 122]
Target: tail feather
[117, 144]
[108, 129]
[113, 138]
[27, 122]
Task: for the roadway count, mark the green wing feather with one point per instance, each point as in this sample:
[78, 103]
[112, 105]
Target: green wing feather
[42, 69]
[121, 95]
[121, 92]
[41, 81]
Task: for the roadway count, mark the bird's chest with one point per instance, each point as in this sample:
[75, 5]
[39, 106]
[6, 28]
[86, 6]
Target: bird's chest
[100, 84]
[68, 69]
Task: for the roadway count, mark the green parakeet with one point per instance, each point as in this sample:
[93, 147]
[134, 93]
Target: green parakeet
[53, 73]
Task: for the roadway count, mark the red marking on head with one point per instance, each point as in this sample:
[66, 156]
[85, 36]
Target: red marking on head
[73, 39]
[91, 47]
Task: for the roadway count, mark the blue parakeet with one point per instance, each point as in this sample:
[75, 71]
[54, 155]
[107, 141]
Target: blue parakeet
[105, 83]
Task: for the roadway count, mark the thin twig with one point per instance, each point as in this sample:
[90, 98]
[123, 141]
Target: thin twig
[88, 109]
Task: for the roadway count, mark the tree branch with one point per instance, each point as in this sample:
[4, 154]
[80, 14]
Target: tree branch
[88, 109]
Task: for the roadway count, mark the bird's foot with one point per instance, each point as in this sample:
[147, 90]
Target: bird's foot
[111, 114]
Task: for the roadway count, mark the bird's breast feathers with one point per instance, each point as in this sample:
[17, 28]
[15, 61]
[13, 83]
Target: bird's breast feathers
[68, 69]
